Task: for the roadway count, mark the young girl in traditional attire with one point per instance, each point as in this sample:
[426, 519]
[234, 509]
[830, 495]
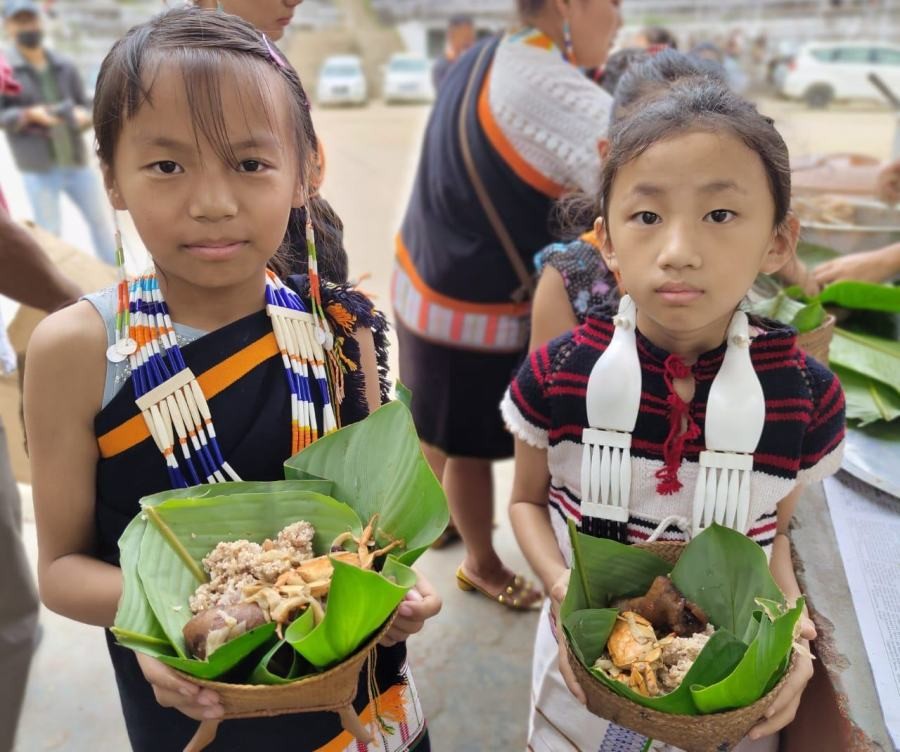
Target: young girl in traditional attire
[204, 137]
[695, 203]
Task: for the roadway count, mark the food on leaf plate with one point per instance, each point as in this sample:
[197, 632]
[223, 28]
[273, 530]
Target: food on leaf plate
[655, 640]
[251, 584]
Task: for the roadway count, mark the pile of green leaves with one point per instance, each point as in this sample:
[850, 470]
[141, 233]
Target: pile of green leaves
[336, 484]
[723, 572]
[865, 351]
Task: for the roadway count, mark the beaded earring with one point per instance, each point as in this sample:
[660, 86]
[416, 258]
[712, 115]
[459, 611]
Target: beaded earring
[568, 44]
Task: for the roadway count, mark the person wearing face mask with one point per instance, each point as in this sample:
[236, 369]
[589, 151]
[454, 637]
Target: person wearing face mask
[44, 123]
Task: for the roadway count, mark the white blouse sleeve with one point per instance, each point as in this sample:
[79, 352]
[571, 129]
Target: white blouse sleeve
[552, 114]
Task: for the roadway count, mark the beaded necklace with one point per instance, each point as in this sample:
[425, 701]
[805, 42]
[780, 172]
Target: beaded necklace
[170, 398]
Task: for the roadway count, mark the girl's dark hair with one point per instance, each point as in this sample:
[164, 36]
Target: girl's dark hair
[529, 8]
[698, 104]
[663, 97]
[656, 73]
[209, 48]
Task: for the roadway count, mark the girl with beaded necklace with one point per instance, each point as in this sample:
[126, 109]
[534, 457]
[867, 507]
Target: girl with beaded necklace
[700, 413]
[204, 136]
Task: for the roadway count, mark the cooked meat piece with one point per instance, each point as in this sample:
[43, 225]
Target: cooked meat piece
[211, 629]
[668, 610]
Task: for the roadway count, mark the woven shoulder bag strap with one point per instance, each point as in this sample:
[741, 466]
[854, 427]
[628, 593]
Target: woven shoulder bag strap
[526, 289]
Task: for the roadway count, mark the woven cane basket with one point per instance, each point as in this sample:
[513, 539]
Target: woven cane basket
[717, 732]
[817, 342]
[333, 690]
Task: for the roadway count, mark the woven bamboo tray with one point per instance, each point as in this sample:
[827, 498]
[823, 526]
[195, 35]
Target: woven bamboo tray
[333, 690]
[717, 732]
[818, 341]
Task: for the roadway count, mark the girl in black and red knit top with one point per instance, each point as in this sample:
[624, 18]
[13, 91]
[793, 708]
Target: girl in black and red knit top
[695, 203]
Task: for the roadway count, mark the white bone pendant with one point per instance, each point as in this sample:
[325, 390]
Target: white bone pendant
[735, 416]
[613, 400]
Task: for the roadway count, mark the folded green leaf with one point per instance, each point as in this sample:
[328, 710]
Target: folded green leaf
[810, 317]
[266, 671]
[238, 488]
[871, 356]
[780, 307]
[377, 466]
[861, 296]
[136, 626]
[358, 604]
[724, 572]
[759, 669]
[604, 570]
[226, 657]
[867, 400]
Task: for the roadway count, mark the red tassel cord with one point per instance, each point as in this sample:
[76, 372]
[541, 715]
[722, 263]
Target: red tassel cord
[679, 414]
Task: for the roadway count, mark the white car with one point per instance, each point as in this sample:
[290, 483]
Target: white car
[407, 78]
[826, 71]
[342, 81]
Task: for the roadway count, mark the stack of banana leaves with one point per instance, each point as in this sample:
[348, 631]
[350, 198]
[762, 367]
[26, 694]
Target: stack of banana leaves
[865, 349]
[375, 507]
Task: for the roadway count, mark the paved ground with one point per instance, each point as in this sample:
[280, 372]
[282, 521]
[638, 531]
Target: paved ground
[473, 662]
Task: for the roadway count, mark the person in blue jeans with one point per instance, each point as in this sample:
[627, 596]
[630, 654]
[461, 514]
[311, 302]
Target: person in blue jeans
[44, 123]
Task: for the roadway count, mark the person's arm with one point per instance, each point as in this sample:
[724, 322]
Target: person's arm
[879, 265]
[783, 710]
[551, 311]
[68, 349]
[63, 391]
[529, 513]
[28, 275]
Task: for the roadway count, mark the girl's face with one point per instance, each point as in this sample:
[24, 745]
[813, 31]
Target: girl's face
[269, 16]
[207, 222]
[690, 227]
[594, 25]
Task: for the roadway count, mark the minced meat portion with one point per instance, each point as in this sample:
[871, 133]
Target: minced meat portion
[678, 656]
[234, 565]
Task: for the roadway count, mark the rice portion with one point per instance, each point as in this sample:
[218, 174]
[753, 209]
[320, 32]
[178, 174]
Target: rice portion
[677, 658]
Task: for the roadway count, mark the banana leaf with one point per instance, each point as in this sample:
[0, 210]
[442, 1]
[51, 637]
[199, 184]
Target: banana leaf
[863, 296]
[810, 317]
[266, 672]
[162, 552]
[760, 668]
[604, 570]
[226, 658]
[376, 466]
[874, 357]
[136, 626]
[358, 604]
[181, 532]
[867, 400]
[723, 572]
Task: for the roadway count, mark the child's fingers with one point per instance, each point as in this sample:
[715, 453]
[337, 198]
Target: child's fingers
[776, 722]
[569, 676]
[808, 629]
[172, 691]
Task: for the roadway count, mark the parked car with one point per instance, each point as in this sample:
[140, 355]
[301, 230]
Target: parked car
[825, 71]
[407, 78]
[342, 81]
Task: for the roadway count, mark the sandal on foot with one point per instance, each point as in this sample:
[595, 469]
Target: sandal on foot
[515, 595]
